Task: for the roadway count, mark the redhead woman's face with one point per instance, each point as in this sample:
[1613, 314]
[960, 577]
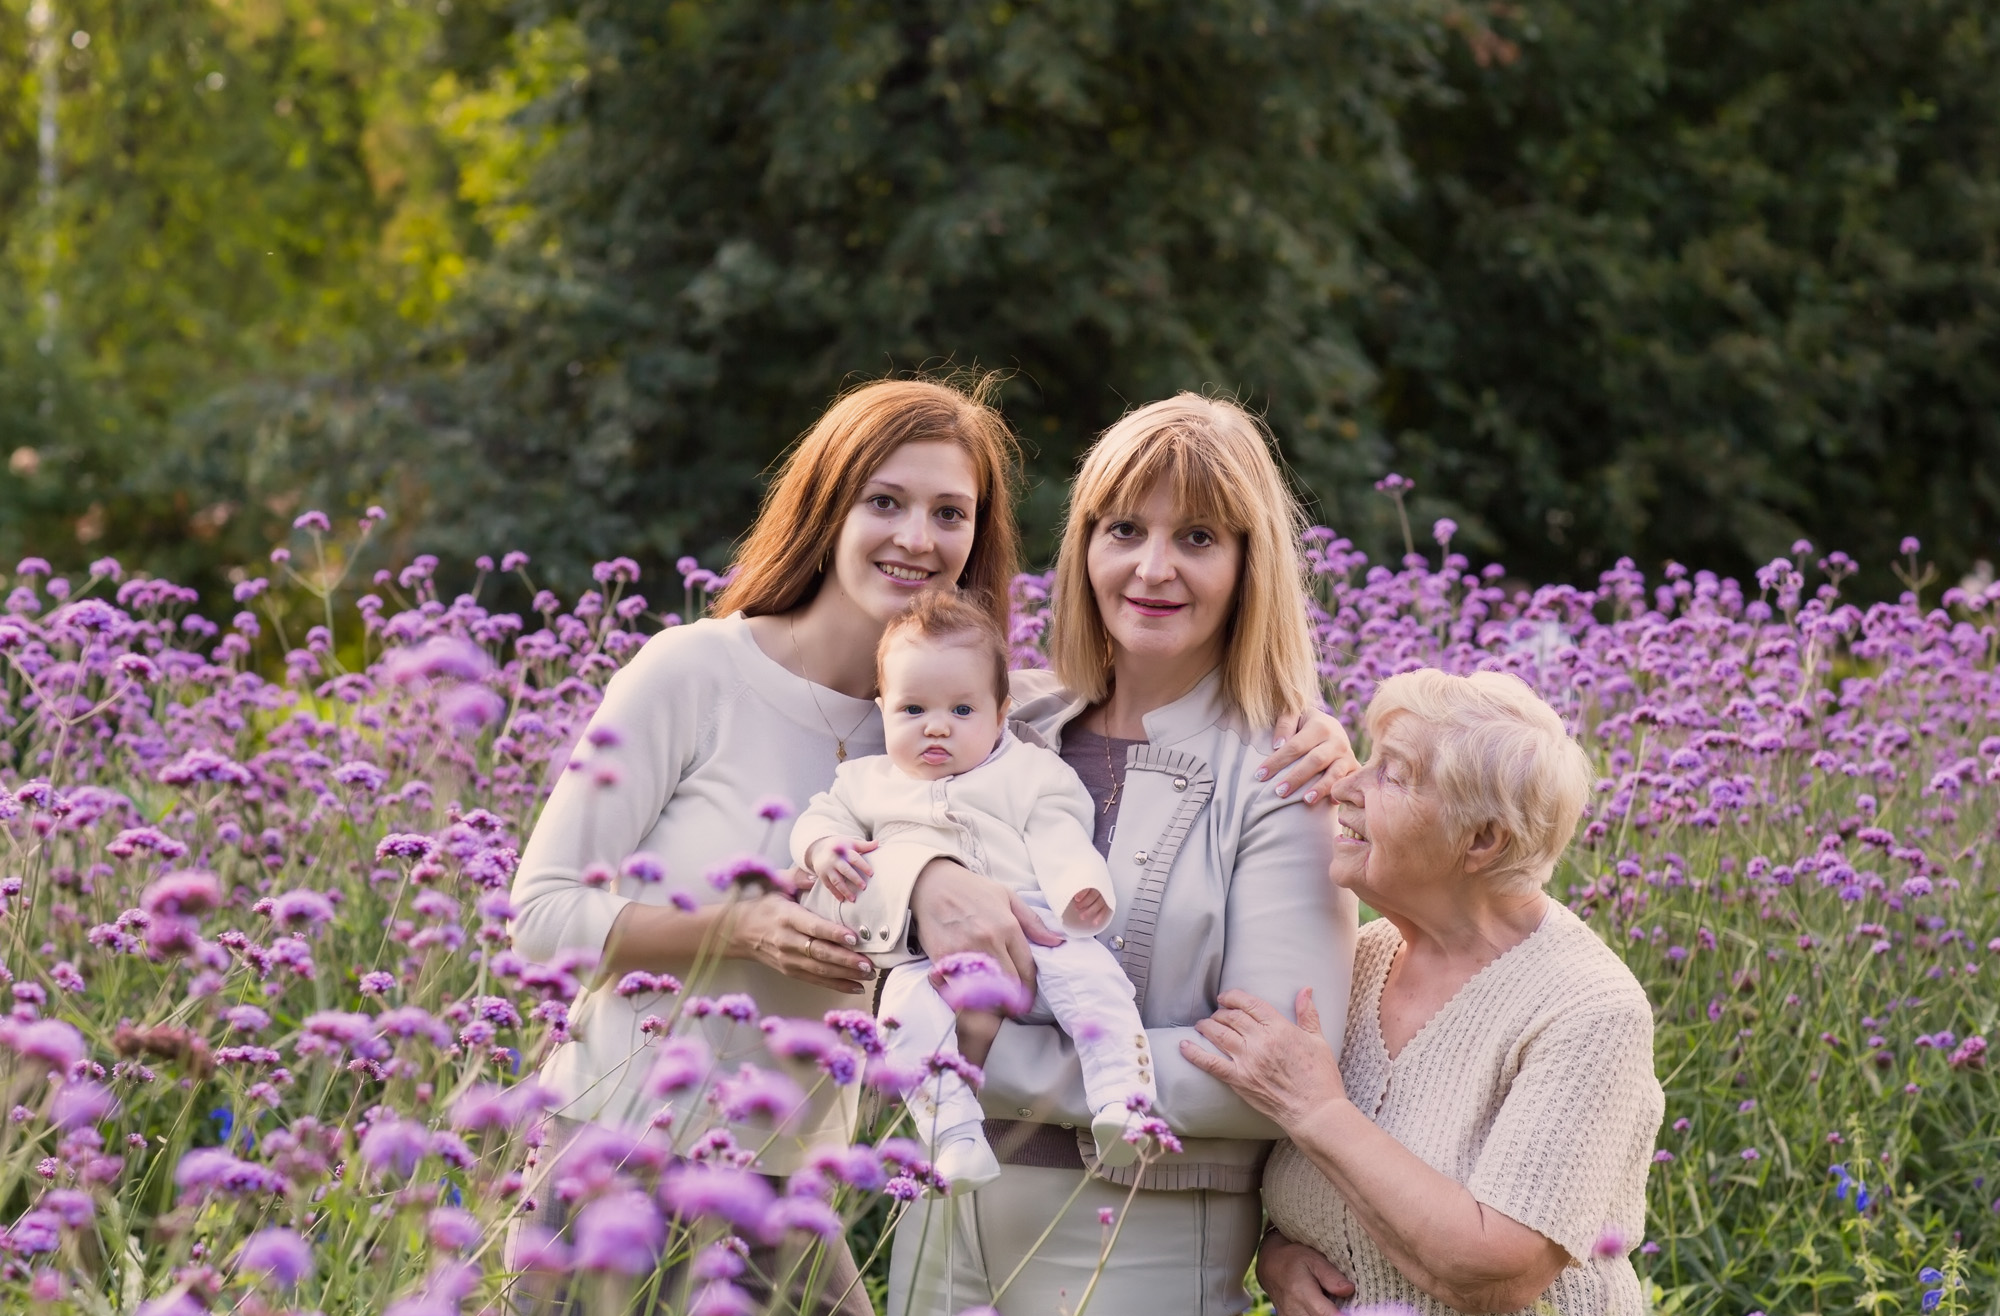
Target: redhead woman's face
[1388, 845]
[1165, 584]
[910, 530]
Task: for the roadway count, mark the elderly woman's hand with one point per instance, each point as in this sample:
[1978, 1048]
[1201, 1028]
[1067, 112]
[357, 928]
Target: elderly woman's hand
[1312, 753]
[1283, 1070]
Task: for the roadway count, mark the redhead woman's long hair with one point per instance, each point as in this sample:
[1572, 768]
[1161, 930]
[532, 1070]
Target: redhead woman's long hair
[1216, 460]
[782, 560]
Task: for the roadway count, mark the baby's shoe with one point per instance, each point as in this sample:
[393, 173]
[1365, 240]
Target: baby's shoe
[1108, 1128]
[966, 1165]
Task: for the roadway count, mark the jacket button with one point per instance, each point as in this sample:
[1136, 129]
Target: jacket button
[1180, 783]
[1140, 858]
[1118, 943]
[1024, 1112]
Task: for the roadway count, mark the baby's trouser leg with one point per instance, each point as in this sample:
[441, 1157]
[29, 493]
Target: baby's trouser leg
[926, 1027]
[1091, 998]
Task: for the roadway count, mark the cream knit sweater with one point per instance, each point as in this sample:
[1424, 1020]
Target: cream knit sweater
[1533, 1087]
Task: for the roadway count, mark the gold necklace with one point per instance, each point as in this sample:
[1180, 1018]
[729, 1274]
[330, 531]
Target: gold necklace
[839, 741]
[1117, 782]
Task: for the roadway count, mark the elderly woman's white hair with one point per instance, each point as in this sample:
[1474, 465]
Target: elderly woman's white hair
[1497, 754]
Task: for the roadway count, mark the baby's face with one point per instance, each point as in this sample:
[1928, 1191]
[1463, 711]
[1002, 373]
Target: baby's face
[939, 712]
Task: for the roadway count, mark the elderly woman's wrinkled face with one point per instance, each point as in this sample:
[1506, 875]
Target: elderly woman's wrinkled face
[1165, 583]
[1389, 845]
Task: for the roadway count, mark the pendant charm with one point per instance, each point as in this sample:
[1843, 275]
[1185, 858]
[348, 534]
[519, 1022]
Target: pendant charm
[839, 750]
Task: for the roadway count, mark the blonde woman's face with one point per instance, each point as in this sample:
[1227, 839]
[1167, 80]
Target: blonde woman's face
[909, 531]
[1165, 584]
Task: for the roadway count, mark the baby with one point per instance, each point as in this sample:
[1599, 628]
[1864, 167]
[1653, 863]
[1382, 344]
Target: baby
[957, 783]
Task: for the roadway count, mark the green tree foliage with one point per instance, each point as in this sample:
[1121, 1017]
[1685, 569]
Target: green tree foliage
[1671, 278]
[741, 207]
[1692, 278]
[245, 189]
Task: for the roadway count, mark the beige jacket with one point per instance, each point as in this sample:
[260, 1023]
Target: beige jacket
[1219, 884]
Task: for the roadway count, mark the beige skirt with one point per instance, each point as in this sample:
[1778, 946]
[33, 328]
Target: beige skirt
[1177, 1252]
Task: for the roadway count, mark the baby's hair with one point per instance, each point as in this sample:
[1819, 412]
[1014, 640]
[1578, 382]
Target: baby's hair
[949, 616]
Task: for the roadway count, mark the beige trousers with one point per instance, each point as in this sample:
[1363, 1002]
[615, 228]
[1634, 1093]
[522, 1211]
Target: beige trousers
[1178, 1253]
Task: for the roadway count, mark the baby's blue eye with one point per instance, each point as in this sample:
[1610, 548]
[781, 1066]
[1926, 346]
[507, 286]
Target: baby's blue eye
[963, 710]
[913, 708]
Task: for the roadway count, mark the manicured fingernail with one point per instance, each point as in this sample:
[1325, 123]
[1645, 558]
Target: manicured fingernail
[1311, 796]
[1284, 789]
[849, 939]
[1261, 774]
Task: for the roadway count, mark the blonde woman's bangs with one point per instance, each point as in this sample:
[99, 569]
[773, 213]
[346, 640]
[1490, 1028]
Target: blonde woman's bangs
[1218, 467]
[1200, 486]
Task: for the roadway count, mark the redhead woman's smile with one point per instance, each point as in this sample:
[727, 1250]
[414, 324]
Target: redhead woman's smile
[910, 530]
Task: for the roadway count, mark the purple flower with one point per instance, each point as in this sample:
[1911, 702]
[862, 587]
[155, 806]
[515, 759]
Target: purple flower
[48, 1041]
[81, 1104]
[472, 708]
[213, 1170]
[439, 658]
[774, 808]
[189, 893]
[279, 1254]
[404, 845]
[453, 1229]
[721, 1298]
[750, 872]
[679, 1064]
[301, 910]
[754, 1092]
[808, 1039]
[703, 1192]
[134, 839]
[395, 1146]
[643, 867]
[974, 982]
[619, 1232]
[806, 1213]
[536, 1248]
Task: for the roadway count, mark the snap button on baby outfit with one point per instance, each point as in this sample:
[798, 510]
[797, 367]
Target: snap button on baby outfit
[1024, 1112]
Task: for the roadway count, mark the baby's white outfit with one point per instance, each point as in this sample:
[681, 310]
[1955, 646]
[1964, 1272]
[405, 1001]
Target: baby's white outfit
[1024, 819]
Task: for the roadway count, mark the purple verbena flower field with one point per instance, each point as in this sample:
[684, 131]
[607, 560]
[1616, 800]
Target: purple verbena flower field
[269, 1049]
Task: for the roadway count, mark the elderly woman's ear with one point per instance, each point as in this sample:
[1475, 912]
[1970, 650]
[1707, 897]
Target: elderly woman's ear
[1488, 843]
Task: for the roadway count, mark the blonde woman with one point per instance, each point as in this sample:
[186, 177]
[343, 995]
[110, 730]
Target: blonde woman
[1179, 639]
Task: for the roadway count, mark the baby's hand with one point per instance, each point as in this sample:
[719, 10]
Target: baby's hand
[838, 864]
[1089, 909]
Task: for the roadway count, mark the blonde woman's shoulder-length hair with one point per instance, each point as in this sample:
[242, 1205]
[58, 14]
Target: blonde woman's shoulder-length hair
[1219, 467]
[782, 559]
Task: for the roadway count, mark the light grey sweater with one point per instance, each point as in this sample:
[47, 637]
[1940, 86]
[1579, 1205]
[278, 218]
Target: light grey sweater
[1220, 884]
[707, 727]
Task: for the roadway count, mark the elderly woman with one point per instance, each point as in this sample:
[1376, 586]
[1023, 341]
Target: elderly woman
[1179, 637]
[1481, 1145]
